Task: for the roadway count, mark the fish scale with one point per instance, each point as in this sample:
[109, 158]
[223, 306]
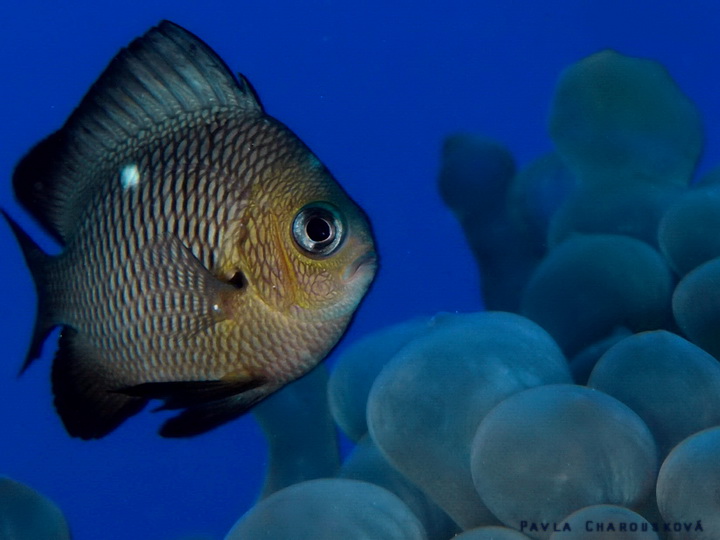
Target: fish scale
[184, 274]
[134, 229]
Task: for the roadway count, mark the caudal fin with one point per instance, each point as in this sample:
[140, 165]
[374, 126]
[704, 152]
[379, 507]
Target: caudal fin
[37, 261]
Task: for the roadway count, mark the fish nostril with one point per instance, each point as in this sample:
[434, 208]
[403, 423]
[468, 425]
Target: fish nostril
[238, 280]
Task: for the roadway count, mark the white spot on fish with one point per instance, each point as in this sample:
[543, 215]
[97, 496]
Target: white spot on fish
[217, 312]
[130, 176]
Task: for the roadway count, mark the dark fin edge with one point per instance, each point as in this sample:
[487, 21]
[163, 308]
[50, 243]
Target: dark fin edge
[182, 394]
[207, 404]
[36, 261]
[203, 418]
[33, 187]
[83, 399]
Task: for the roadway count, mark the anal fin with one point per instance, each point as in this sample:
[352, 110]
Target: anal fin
[83, 398]
[207, 404]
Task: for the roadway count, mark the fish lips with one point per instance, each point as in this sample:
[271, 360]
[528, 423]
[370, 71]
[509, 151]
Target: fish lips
[362, 267]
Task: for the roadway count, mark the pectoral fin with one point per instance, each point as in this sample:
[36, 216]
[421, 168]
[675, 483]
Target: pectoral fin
[180, 294]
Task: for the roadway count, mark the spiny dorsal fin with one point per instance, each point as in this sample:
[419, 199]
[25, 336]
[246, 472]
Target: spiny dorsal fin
[167, 73]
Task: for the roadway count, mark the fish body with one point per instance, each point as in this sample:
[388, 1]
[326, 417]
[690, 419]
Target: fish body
[209, 258]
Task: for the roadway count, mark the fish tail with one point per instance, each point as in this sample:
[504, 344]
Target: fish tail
[37, 261]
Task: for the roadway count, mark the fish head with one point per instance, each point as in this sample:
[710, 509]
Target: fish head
[305, 247]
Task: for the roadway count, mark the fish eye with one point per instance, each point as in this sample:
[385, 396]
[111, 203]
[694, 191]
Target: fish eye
[318, 229]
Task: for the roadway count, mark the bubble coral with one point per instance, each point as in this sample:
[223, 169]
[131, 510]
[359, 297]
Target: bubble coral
[619, 120]
[367, 463]
[673, 385]
[591, 285]
[329, 509]
[630, 137]
[687, 486]
[474, 181]
[357, 368]
[535, 195]
[302, 443]
[473, 416]
[25, 514]
[426, 404]
[548, 451]
[582, 364]
[689, 232]
[606, 521]
[491, 533]
[696, 306]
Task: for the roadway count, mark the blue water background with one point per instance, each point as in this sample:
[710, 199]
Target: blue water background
[372, 87]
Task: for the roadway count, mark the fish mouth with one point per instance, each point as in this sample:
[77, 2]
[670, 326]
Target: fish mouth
[364, 265]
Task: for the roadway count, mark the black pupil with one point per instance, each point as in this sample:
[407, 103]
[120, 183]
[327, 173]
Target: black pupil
[318, 229]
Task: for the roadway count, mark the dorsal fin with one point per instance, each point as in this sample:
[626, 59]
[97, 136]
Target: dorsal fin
[167, 73]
